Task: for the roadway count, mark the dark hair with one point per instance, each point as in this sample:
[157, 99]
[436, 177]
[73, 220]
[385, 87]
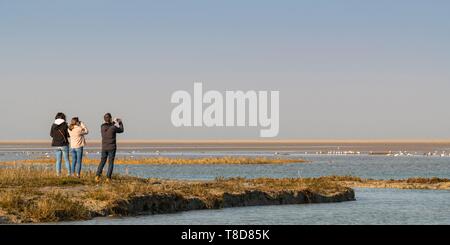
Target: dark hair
[107, 117]
[75, 121]
[60, 115]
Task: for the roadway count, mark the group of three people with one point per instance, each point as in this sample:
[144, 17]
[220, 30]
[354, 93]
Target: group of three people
[72, 137]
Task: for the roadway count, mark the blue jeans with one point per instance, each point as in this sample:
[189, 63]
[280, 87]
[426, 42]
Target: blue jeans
[62, 152]
[77, 159]
[111, 154]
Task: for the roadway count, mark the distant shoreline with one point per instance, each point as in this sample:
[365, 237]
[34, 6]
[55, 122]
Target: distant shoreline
[262, 141]
[299, 146]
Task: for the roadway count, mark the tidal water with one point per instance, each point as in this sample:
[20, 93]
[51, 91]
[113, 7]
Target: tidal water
[376, 167]
[373, 206]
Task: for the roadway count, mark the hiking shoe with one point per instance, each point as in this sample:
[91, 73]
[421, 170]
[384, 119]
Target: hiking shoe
[97, 179]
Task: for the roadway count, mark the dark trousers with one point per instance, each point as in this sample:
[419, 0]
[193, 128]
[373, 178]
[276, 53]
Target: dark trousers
[110, 154]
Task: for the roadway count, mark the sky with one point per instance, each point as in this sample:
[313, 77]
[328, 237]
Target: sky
[345, 69]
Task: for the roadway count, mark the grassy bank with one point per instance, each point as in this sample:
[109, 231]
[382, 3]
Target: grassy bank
[31, 195]
[410, 183]
[169, 160]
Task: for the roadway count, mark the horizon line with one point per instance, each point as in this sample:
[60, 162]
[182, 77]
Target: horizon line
[238, 141]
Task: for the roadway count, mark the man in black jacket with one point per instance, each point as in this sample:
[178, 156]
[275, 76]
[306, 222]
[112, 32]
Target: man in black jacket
[109, 130]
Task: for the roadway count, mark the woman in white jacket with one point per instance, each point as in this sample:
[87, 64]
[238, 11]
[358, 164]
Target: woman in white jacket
[77, 131]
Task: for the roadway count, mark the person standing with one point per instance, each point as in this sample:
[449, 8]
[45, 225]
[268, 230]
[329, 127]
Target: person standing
[60, 142]
[77, 131]
[109, 130]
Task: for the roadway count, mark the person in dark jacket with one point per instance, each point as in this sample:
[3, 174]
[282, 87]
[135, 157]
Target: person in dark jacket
[109, 130]
[60, 142]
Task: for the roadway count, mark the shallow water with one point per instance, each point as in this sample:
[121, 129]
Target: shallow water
[373, 206]
[365, 166]
[376, 167]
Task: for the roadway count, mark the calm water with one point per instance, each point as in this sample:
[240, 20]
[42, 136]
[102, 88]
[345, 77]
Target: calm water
[373, 206]
[383, 206]
[377, 167]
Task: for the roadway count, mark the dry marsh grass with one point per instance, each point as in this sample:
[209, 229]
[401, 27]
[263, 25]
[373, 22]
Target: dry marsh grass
[433, 180]
[38, 177]
[170, 160]
[409, 183]
[37, 195]
[28, 205]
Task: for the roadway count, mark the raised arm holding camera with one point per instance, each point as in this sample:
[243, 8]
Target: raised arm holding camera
[109, 130]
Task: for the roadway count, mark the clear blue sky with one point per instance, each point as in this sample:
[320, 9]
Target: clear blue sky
[346, 69]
